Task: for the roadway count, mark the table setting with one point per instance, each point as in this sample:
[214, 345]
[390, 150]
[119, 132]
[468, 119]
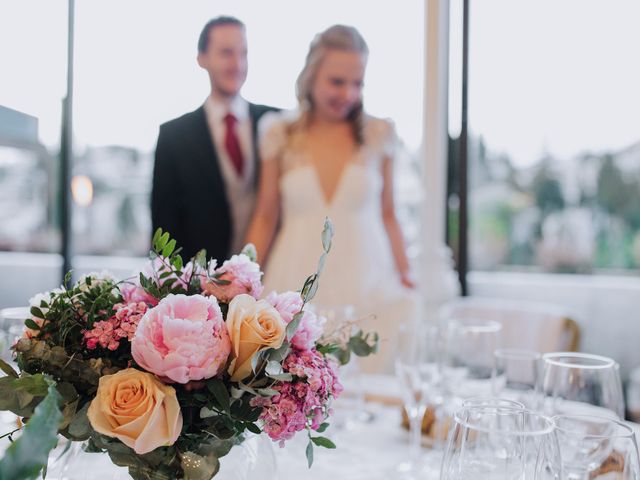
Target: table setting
[458, 406]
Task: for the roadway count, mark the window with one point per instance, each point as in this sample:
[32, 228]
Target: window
[32, 85]
[554, 145]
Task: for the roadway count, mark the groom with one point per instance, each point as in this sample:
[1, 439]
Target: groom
[206, 163]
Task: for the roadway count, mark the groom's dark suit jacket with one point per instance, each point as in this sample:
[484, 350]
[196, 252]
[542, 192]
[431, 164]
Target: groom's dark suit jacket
[188, 197]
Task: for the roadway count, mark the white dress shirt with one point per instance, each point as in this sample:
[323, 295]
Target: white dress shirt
[240, 188]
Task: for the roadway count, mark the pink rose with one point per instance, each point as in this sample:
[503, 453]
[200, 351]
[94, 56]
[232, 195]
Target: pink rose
[287, 304]
[183, 338]
[237, 275]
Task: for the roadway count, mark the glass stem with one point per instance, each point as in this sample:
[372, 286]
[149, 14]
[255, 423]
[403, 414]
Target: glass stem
[417, 414]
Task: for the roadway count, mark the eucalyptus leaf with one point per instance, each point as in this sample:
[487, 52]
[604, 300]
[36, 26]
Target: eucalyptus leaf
[309, 453]
[250, 251]
[293, 325]
[273, 368]
[27, 456]
[327, 234]
[80, 428]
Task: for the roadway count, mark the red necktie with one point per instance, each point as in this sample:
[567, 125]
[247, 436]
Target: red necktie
[232, 144]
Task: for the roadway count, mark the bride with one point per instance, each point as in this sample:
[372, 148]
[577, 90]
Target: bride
[331, 159]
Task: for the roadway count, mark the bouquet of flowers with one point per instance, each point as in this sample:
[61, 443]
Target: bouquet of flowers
[167, 371]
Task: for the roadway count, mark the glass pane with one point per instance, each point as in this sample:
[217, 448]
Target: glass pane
[137, 70]
[32, 86]
[554, 146]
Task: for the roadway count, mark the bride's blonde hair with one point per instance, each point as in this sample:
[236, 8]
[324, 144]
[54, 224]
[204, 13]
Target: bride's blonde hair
[337, 37]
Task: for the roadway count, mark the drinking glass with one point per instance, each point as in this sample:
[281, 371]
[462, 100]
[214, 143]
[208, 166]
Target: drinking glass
[594, 447]
[491, 443]
[418, 373]
[516, 374]
[469, 359]
[11, 327]
[575, 383]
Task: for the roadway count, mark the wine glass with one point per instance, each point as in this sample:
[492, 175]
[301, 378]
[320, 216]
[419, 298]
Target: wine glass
[516, 374]
[501, 443]
[418, 372]
[469, 359]
[581, 383]
[596, 447]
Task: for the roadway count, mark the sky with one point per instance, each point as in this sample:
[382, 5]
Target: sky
[545, 75]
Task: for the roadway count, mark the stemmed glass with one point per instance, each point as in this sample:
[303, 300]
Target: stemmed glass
[516, 373]
[492, 443]
[469, 363]
[418, 371]
[581, 383]
[594, 447]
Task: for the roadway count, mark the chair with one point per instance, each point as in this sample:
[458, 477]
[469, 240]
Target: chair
[540, 326]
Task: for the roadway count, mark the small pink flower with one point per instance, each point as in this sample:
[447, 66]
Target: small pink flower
[238, 275]
[183, 338]
[122, 324]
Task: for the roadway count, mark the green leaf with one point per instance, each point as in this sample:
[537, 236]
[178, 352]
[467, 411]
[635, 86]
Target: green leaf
[323, 442]
[156, 236]
[310, 288]
[327, 234]
[27, 456]
[309, 453]
[36, 385]
[273, 368]
[29, 323]
[80, 428]
[177, 263]
[169, 248]
[293, 325]
[250, 251]
[201, 259]
[253, 428]
[220, 393]
[322, 427]
[36, 312]
[8, 369]
[162, 241]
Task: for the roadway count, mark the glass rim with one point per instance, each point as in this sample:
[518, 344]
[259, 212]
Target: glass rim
[622, 429]
[605, 362]
[517, 353]
[550, 425]
[500, 403]
[478, 325]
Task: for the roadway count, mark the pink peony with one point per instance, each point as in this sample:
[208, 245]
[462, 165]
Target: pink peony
[287, 304]
[242, 275]
[183, 338]
[309, 331]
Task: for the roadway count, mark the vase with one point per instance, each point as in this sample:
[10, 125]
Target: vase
[252, 459]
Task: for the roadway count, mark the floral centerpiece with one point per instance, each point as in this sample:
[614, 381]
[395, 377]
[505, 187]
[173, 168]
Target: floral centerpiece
[167, 371]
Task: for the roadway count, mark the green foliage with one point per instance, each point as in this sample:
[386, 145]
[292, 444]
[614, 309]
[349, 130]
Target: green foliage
[28, 455]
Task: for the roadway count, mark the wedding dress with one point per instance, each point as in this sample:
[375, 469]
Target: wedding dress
[359, 270]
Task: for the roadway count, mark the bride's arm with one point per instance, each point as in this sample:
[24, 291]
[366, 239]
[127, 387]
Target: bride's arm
[392, 226]
[267, 212]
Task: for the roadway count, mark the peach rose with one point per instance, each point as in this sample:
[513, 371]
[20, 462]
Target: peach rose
[136, 408]
[253, 325]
